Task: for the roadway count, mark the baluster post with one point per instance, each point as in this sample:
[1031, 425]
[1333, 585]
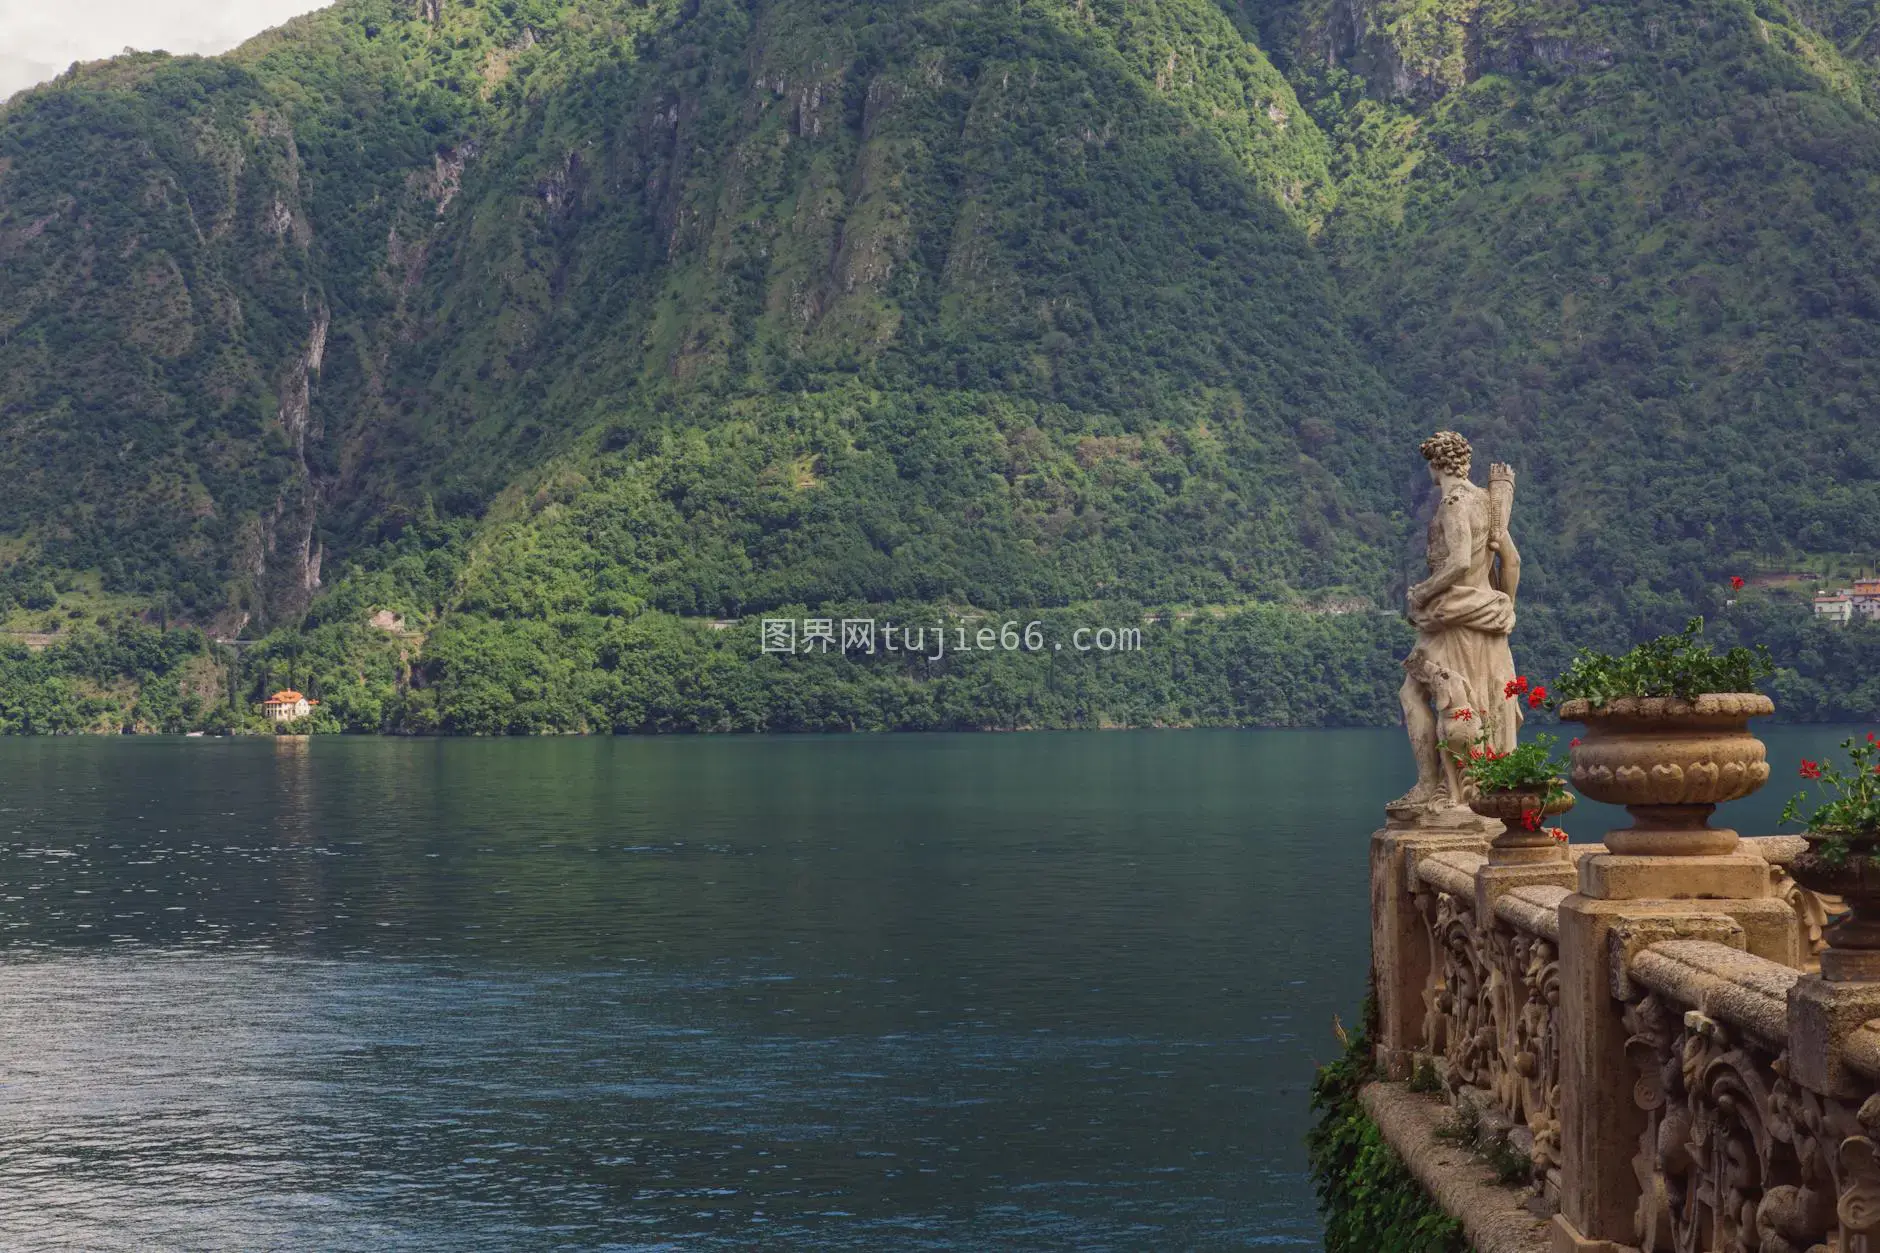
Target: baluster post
[1400, 946]
[1671, 875]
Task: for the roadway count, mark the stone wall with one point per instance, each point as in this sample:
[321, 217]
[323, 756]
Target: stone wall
[1652, 1033]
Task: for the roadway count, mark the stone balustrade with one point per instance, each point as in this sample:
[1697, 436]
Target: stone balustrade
[1660, 1048]
[1489, 1005]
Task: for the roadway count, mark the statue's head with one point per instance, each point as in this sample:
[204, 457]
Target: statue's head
[1448, 453]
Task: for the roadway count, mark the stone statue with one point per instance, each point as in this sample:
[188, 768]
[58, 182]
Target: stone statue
[1457, 676]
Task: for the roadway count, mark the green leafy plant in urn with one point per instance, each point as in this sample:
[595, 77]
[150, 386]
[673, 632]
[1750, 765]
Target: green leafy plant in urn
[1843, 855]
[1521, 788]
[1667, 736]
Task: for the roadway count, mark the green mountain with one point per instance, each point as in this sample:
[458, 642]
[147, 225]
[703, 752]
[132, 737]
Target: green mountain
[1636, 243]
[539, 335]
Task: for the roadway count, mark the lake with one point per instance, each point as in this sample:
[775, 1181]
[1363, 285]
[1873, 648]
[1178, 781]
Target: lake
[908, 992]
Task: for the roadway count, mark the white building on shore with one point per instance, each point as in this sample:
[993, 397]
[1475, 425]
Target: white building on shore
[287, 706]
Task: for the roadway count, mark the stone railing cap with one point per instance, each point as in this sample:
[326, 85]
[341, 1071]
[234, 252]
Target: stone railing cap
[1722, 982]
[1534, 909]
[1453, 873]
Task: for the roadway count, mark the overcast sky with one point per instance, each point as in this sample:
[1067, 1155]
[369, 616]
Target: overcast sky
[39, 38]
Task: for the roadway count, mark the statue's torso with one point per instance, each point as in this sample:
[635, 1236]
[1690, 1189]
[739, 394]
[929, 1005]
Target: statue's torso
[1472, 601]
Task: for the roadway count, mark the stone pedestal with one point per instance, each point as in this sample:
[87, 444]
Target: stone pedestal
[1400, 948]
[1653, 899]
[1629, 877]
[1492, 880]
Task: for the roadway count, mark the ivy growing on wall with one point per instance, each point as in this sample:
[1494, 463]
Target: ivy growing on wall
[1371, 1202]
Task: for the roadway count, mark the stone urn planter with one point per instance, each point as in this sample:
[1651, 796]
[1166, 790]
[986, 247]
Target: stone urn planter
[1670, 762]
[1514, 844]
[1851, 872]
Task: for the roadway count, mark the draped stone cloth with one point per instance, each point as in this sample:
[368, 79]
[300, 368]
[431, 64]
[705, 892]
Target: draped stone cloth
[1466, 661]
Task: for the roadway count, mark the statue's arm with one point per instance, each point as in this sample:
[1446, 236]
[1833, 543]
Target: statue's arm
[1510, 565]
[1453, 520]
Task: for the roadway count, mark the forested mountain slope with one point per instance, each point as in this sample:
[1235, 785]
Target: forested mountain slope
[545, 327]
[1636, 242]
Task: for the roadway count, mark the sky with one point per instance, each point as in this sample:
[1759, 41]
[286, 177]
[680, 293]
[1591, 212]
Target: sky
[40, 38]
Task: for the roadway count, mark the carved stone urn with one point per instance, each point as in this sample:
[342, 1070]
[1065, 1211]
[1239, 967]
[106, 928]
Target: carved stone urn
[1516, 845]
[1852, 872]
[1670, 762]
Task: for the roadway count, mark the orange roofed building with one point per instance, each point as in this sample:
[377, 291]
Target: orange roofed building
[1865, 597]
[287, 705]
[1860, 601]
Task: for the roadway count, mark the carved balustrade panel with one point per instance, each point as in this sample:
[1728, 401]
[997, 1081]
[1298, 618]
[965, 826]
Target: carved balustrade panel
[1458, 1023]
[1735, 1157]
[1529, 1090]
[1490, 1011]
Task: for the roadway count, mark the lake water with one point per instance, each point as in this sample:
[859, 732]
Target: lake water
[898, 992]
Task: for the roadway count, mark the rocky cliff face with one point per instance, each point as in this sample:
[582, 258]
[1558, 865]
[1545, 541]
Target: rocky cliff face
[170, 231]
[154, 269]
[1424, 49]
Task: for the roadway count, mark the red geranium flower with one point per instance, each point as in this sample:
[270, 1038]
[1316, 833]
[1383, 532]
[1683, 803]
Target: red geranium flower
[1463, 715]
[1559, 834]
[1530, 820]
[1811, 769]
[1536, 696]
[1574, 742]
[1736, 581]
[1509, 689]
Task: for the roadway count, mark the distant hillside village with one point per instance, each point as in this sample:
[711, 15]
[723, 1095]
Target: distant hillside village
[1859, 601]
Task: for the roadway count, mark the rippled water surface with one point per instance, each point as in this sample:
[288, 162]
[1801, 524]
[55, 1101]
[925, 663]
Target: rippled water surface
[905, 992]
